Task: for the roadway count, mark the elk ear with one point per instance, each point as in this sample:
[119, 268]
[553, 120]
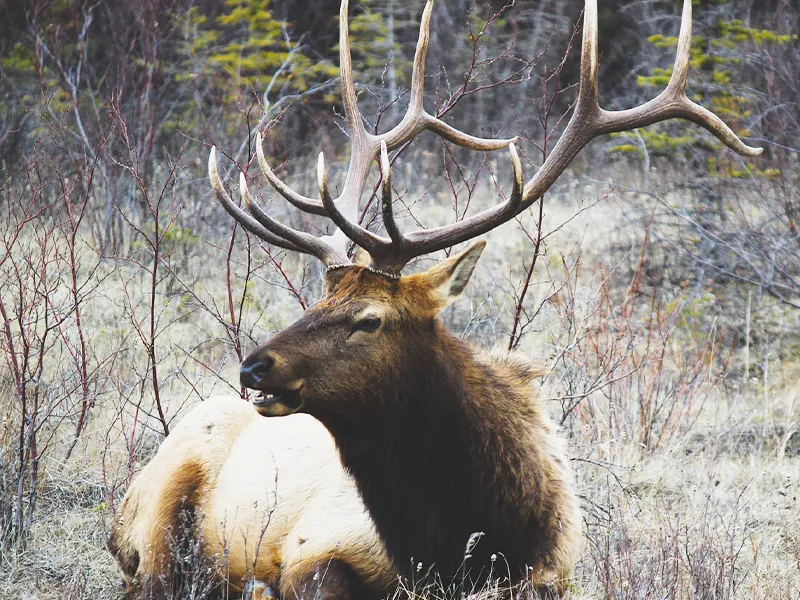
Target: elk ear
[450, 277]
[332, 279]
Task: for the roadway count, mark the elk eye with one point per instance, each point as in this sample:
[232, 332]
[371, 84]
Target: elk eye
[368, 324]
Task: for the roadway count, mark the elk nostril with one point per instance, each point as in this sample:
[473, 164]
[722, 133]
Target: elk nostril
[251, 373]
[264, 366]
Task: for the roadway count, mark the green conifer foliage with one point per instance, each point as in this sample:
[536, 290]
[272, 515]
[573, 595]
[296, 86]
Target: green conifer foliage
[717, 82]
[247, 51]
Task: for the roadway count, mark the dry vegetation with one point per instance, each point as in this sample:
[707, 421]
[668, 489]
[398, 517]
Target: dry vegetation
[663, 300]
[687, 470]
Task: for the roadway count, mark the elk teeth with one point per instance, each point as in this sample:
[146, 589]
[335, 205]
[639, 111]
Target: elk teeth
[265, 397]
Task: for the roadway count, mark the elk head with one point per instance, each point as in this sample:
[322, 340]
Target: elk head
[371, 315]
[357, 338]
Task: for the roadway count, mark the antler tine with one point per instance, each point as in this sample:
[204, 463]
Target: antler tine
[361, 236]
[417, 118]
[587, 122]
[580, 128]
[680, 69]
[420, 54]
[246, 221]
[588, 88]
[304, 203]
[309, 243]
[424, 241]
[397, 237]
[346, 70]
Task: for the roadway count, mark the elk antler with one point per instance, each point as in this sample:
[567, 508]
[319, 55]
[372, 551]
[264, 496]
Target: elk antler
[343, 211]
[391, 254]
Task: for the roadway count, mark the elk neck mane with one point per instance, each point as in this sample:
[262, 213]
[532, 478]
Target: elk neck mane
[460, 445]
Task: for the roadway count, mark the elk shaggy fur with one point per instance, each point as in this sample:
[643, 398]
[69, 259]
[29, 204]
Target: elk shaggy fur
[266, 499]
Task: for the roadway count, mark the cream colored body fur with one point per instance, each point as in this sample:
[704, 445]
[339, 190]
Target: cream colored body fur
[271, 496]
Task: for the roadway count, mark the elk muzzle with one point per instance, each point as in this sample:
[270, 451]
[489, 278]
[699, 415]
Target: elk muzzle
[268, 373]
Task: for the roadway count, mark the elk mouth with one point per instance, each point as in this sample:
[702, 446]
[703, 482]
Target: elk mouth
[278, 402]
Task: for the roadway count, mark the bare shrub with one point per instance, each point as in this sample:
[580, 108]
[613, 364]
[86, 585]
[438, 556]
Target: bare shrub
[47, 278]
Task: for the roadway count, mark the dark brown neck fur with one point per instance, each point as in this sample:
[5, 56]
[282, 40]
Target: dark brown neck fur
[458, 448]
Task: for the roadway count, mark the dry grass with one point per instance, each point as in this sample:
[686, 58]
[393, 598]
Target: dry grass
[702, 518]
[702, 503]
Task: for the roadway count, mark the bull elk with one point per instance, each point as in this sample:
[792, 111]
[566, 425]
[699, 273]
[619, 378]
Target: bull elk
[443, 441]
